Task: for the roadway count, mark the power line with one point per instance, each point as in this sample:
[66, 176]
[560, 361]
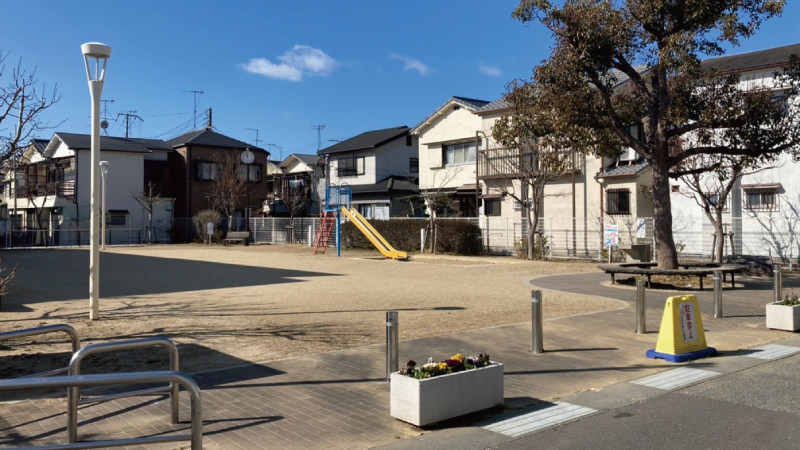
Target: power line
[128, 116]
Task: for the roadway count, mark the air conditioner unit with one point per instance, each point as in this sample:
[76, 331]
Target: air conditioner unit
[628, 154]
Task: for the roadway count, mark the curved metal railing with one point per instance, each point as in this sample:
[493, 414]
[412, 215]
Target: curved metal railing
[79, 381]
[59, 328]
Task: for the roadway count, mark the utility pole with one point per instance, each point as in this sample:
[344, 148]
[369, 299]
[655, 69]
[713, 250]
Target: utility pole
[257, 140]
[196, 93]
[128, 115]
[319, 129]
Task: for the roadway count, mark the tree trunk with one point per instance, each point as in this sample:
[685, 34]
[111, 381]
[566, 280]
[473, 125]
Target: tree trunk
[531, 237]
[667, 256]
[720, 236]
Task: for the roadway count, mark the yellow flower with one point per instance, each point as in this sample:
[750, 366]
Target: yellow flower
[458, 357]
[442, 366]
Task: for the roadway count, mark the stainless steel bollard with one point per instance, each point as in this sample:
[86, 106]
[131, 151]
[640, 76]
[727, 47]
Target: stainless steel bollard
[536, 322]
[641, 312]
[717, 293]
[777, 278]
[392, 344]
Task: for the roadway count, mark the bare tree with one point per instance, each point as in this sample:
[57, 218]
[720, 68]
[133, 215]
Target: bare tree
[149, 198]
[434, 197]
[227, 186]
[295, 193]
[22, 103]
[523, 159]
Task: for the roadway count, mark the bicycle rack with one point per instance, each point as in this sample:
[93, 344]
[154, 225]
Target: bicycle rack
[16, 334]
[79, 381]
[74, 393]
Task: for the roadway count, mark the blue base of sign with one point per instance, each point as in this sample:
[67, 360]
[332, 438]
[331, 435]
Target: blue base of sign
[681, 357]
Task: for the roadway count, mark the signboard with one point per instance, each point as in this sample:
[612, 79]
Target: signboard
[688, 321]
[641, 229]
[210, 229]
[610, 235]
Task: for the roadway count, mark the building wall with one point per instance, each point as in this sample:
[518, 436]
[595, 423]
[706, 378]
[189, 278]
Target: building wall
[394, 158]
[370, 175]
[454, 125]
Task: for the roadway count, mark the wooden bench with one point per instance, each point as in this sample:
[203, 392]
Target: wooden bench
[700, 270]
[234, 236]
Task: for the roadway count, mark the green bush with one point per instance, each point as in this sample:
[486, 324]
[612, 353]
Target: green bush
[453, 236]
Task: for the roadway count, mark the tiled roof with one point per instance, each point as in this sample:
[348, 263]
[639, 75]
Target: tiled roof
[498, 104]
[470, 103]
[310, 160]
[210, 138]
[370, 139]
[113, 143]
[392, 183]
[751, 60]
[39, 144]
[615, 170]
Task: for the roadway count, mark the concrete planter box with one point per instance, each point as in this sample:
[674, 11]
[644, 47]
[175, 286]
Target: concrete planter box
[782, 317]
[423, 402]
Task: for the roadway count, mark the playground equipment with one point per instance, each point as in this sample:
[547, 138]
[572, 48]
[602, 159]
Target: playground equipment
[338, 200]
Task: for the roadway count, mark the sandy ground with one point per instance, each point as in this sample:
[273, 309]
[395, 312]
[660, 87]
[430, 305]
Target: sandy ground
[229, 305]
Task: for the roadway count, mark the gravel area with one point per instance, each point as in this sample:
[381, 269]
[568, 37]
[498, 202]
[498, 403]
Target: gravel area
[229, 305]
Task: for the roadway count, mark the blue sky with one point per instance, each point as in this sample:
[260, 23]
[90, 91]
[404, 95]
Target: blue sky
[281, 67]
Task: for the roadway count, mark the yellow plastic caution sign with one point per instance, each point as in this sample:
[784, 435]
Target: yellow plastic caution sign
[681, 337]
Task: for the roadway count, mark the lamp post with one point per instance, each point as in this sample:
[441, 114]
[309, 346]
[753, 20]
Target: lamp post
[103, 173]
[95, 56]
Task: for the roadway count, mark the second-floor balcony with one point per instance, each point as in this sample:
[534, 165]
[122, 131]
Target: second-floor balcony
[499, 163]
[60, 189]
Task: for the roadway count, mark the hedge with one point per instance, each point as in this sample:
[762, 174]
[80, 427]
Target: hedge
[453, 236]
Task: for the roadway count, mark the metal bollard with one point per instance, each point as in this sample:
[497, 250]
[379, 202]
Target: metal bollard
[717, 293]
[392, 344]
[536, 322]
[777, 278]
[641, 317]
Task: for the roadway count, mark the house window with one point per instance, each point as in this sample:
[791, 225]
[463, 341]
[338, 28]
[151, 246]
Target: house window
[413, 165]
[365, 210]
[255, 173]
[517, 206]
[713, 200]
[761, 199]
[350, 166]
[491, 206]
[459, 153]
[618, 202]
[208, 170]
[117, 219]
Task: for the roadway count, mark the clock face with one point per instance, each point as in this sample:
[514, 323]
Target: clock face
[247, 157]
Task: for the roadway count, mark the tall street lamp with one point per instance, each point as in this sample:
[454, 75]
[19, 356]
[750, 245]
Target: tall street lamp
[103, 173]
[95, 56]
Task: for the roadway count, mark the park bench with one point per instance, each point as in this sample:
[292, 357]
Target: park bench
[233, 236]
[700, 270]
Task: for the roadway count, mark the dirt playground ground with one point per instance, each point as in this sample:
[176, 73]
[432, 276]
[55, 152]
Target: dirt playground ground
[229, 305]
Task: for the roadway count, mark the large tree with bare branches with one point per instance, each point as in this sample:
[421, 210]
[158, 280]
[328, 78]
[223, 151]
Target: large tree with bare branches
[227, 187]
[617, 64]
[22, 102]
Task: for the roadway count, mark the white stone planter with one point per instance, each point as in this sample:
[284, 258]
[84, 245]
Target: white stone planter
[782, 317]
[423, 402]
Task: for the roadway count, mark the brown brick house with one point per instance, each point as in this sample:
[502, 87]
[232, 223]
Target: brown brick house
[192, 167]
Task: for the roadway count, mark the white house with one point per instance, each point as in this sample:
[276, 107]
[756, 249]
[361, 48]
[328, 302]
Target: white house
[763, 208]
[380, 166]
[54, 181]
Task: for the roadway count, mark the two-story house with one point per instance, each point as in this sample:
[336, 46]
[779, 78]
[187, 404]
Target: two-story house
[194, 162]
[48, 190]
[380, 166]
[298, 176]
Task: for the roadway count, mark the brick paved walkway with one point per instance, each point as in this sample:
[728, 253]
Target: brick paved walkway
[339, 399]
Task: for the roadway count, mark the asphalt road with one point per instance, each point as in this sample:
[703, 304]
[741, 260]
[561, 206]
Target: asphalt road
[751, 409]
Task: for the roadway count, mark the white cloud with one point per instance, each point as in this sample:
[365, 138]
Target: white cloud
[299, 62]
[492, 71]
[412, 64]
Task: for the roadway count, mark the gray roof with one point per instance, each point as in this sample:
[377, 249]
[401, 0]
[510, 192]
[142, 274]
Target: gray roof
[367, 140]
[770, 57]
[614, 170]
[209, 138]
[113, 143]
[39, 144]
[496, 105]
[470, 103]
[392, 183]
[310, 160]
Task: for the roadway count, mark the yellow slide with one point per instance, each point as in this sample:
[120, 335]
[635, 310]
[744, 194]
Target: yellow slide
[377, 240]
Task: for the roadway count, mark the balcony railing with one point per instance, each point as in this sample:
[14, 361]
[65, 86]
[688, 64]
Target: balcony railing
[61, 189]
[510, 163]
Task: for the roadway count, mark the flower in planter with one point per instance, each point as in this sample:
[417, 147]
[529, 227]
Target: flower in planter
[790, 301]
[458, 363]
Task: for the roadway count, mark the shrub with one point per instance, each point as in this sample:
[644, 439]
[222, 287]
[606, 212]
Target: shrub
[204, 217]
[454, 236]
